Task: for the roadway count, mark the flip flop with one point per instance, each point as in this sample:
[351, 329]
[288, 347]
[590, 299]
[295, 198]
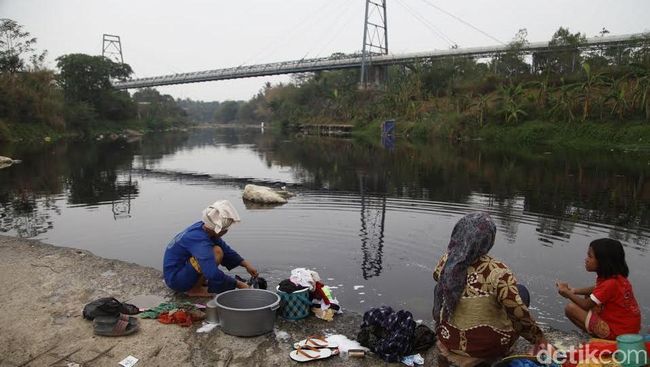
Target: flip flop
[316, 341]
[121, 325]
[113, 319]
[306, 354]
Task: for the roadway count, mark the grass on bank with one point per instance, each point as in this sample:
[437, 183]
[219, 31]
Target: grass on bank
[34, 133]
[631, 135]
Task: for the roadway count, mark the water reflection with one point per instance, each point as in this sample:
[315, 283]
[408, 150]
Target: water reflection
[377, 215]
[562, 187]
[373, 220]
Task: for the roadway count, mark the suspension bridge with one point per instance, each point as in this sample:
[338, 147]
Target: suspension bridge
[371, 60]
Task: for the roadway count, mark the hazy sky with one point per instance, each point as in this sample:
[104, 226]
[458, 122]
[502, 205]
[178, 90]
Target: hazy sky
[166, 37]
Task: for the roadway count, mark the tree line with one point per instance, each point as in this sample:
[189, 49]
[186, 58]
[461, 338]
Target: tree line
[77, 99]
[566, 83]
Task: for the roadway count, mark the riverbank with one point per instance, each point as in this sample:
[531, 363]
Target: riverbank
[585, 136]
[44, 288]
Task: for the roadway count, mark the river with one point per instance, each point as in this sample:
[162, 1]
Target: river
[371, 218]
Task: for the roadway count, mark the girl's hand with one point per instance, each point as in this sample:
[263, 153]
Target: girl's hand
[563, 289]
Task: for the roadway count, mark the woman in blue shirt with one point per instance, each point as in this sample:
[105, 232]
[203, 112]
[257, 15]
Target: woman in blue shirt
[194, 255]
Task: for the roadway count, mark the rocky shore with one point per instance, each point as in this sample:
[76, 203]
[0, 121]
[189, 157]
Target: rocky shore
[44, 288]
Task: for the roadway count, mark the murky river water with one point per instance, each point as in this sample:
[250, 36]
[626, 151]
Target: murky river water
[371, 219]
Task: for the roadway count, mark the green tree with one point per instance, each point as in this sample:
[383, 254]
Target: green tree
[159, 111]
[87, 79]
[15, 45]
[227, 112]
[512, 64]
[564, 55]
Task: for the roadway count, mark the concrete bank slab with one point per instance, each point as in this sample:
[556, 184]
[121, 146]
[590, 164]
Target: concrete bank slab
[43, 289]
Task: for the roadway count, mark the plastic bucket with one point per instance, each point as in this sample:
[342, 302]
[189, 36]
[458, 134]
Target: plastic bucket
[247, 312]
[294, 306]
[631, 350]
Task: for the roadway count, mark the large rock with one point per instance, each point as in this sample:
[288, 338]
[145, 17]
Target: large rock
[5, 162]
[265, 195]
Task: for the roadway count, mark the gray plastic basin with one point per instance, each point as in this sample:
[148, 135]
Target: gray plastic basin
[247, 312]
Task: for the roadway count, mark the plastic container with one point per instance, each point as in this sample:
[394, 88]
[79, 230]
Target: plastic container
[296, 305]
[631, 350]
[247, 312]
[211, 312]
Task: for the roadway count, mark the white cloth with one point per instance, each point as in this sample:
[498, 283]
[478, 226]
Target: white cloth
[206, 328]
[220, 215]
[304, 277]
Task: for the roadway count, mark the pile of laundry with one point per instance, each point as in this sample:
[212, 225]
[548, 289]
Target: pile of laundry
[394, 336]
[181, 313]
[320, 299]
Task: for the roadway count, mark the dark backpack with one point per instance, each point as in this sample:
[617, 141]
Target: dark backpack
[108, 306]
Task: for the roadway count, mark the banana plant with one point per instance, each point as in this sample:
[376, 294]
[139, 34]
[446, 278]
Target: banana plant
[641, 91]
[481, 104]
[588, 88]
[562, 103]
[617, 99]
[510, 97]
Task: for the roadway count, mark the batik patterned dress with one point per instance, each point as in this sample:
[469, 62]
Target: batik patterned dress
[489, 316]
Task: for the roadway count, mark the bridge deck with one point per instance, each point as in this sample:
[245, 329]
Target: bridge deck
[312, 65]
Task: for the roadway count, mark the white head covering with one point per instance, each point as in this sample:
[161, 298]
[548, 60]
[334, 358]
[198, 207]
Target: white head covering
[220, 215]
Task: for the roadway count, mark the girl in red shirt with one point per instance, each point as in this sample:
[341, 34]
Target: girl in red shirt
[609, 308]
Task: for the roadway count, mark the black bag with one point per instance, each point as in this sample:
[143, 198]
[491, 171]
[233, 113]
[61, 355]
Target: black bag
[108, 306]
[424, 338]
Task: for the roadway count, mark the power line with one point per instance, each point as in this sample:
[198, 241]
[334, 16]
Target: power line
[463, 21]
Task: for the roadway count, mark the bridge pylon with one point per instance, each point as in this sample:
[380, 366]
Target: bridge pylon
[112, 48]
[375, 39]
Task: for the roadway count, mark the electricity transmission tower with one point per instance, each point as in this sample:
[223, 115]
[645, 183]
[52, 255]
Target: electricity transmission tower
[112, 48]
[375, 36]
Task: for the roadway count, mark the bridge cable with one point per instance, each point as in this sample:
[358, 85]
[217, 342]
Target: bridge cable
[437, 32]
[462, 21]
[343, 19]
[344, 10]
[272, 47]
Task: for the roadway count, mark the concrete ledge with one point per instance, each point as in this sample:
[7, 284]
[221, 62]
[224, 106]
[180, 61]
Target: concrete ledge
[43, 289]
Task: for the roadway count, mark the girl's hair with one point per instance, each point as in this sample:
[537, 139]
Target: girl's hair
[610, 256]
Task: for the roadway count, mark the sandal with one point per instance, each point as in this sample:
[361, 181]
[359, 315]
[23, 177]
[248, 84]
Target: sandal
[121, 325]
[113, 319]
[307, 353]
[316, 341]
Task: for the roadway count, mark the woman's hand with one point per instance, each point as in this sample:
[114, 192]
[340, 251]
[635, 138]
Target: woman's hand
[252, 271]
[249, 268]
[242, 285]
[544, 345]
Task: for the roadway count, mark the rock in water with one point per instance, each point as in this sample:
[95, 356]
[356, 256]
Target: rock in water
[263, 194]
[6, 162]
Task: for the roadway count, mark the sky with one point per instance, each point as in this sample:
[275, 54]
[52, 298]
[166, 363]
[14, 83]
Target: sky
[166, 37]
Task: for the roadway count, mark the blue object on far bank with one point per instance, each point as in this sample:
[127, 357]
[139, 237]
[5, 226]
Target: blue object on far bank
[388, 127]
